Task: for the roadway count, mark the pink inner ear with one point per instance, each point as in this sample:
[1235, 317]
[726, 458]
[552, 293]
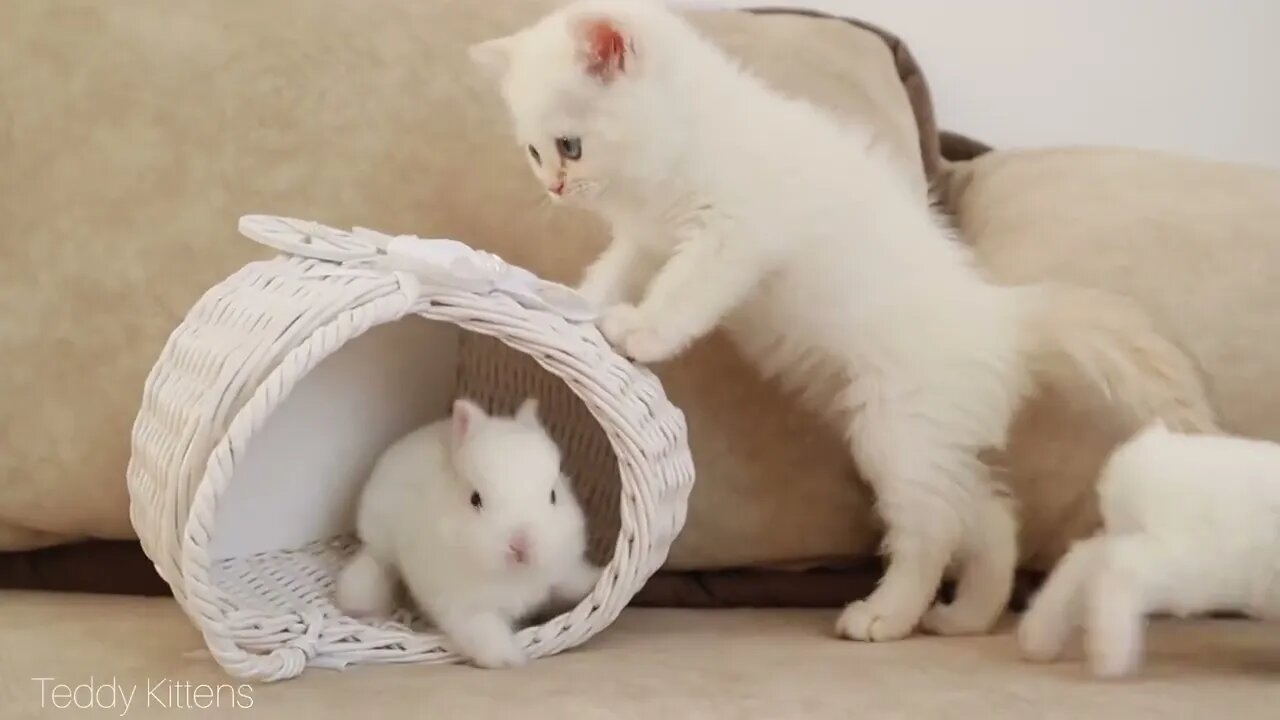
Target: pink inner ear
[463, 417]
[606, 50]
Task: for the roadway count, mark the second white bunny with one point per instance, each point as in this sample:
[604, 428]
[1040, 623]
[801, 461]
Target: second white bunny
[473, 514]
[1191, 524]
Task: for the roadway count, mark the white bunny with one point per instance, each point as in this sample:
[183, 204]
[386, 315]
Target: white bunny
[474, 515]
[1191, 524]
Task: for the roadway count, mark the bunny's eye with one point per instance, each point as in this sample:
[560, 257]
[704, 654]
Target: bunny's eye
[476, 502]
[553, 497]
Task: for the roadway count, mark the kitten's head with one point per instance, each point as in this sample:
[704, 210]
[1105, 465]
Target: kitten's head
[585, 89]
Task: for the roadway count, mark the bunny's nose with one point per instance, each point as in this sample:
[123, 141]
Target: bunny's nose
[519, 547]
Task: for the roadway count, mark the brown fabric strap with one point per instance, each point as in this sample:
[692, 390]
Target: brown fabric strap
[819, 588]
[121, 568]
[117, 567]
[935, 145]
[957, 148]
[908, 71]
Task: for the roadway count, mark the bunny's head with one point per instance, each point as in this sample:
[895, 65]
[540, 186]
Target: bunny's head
[518, 512]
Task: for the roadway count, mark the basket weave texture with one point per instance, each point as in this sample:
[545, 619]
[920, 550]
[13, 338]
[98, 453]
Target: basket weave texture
[250, 340]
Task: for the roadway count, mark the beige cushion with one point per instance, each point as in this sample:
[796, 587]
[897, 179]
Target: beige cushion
[144, 129]
[1197, 243]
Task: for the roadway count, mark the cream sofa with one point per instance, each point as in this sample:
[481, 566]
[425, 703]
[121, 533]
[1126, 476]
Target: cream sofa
[142, 129]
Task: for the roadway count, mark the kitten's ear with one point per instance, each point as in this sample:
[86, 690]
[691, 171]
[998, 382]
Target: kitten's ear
[466, 417]
[492, 56]
[528, 413]
[604, 47]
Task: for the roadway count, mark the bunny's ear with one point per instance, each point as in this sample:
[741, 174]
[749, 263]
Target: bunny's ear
[492, 56]
[466, 417]
[604, 47]
[528, 413]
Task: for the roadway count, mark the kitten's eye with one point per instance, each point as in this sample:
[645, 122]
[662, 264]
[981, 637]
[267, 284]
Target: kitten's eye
[533, 153]
[476, 502]
[553, 497]
[570, 148]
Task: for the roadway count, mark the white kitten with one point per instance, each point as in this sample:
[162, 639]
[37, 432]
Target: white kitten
[473, 513]
[1191, 525]
[733, 204]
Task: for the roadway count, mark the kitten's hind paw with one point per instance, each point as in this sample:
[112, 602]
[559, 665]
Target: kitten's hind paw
[1041, 638]
[1113, 660]
[1114, 642]
[867, 622]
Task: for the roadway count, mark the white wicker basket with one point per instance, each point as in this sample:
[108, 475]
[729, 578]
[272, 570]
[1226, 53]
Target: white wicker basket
[270, 402]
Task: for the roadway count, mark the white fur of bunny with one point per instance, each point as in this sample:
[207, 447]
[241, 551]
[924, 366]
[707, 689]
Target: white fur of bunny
[473, 514]
[1191, 525]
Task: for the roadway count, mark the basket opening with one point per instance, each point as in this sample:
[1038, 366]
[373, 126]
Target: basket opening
[286, 520]
[301, 476]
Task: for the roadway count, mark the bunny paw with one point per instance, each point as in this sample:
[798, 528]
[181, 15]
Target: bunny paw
[498, 654]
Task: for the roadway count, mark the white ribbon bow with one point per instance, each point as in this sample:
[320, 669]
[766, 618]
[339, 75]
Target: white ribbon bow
[436, 262]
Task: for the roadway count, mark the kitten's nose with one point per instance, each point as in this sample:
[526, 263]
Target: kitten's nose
[558, 188]
[519, 547]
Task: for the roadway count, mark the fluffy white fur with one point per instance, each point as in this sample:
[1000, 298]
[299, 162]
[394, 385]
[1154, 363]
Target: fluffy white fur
[734, 205]
[1191, 525]
[462, 511]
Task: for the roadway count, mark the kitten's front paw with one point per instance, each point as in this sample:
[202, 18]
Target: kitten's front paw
[1041, 638]
[496, 654]
[868, 622]
[636, 336]
[950, 619]
[594, 293]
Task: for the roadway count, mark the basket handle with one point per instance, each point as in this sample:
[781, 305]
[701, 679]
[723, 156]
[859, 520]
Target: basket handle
[439, 263]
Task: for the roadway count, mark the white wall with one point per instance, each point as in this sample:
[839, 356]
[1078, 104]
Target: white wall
[1194, 76]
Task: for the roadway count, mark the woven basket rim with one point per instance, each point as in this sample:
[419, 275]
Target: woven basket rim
[202, 594]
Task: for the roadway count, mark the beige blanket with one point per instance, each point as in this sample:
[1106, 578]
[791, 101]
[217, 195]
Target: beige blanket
[732, 664]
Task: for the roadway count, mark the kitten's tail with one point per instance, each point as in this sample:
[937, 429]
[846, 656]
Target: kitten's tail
[1110, 342]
